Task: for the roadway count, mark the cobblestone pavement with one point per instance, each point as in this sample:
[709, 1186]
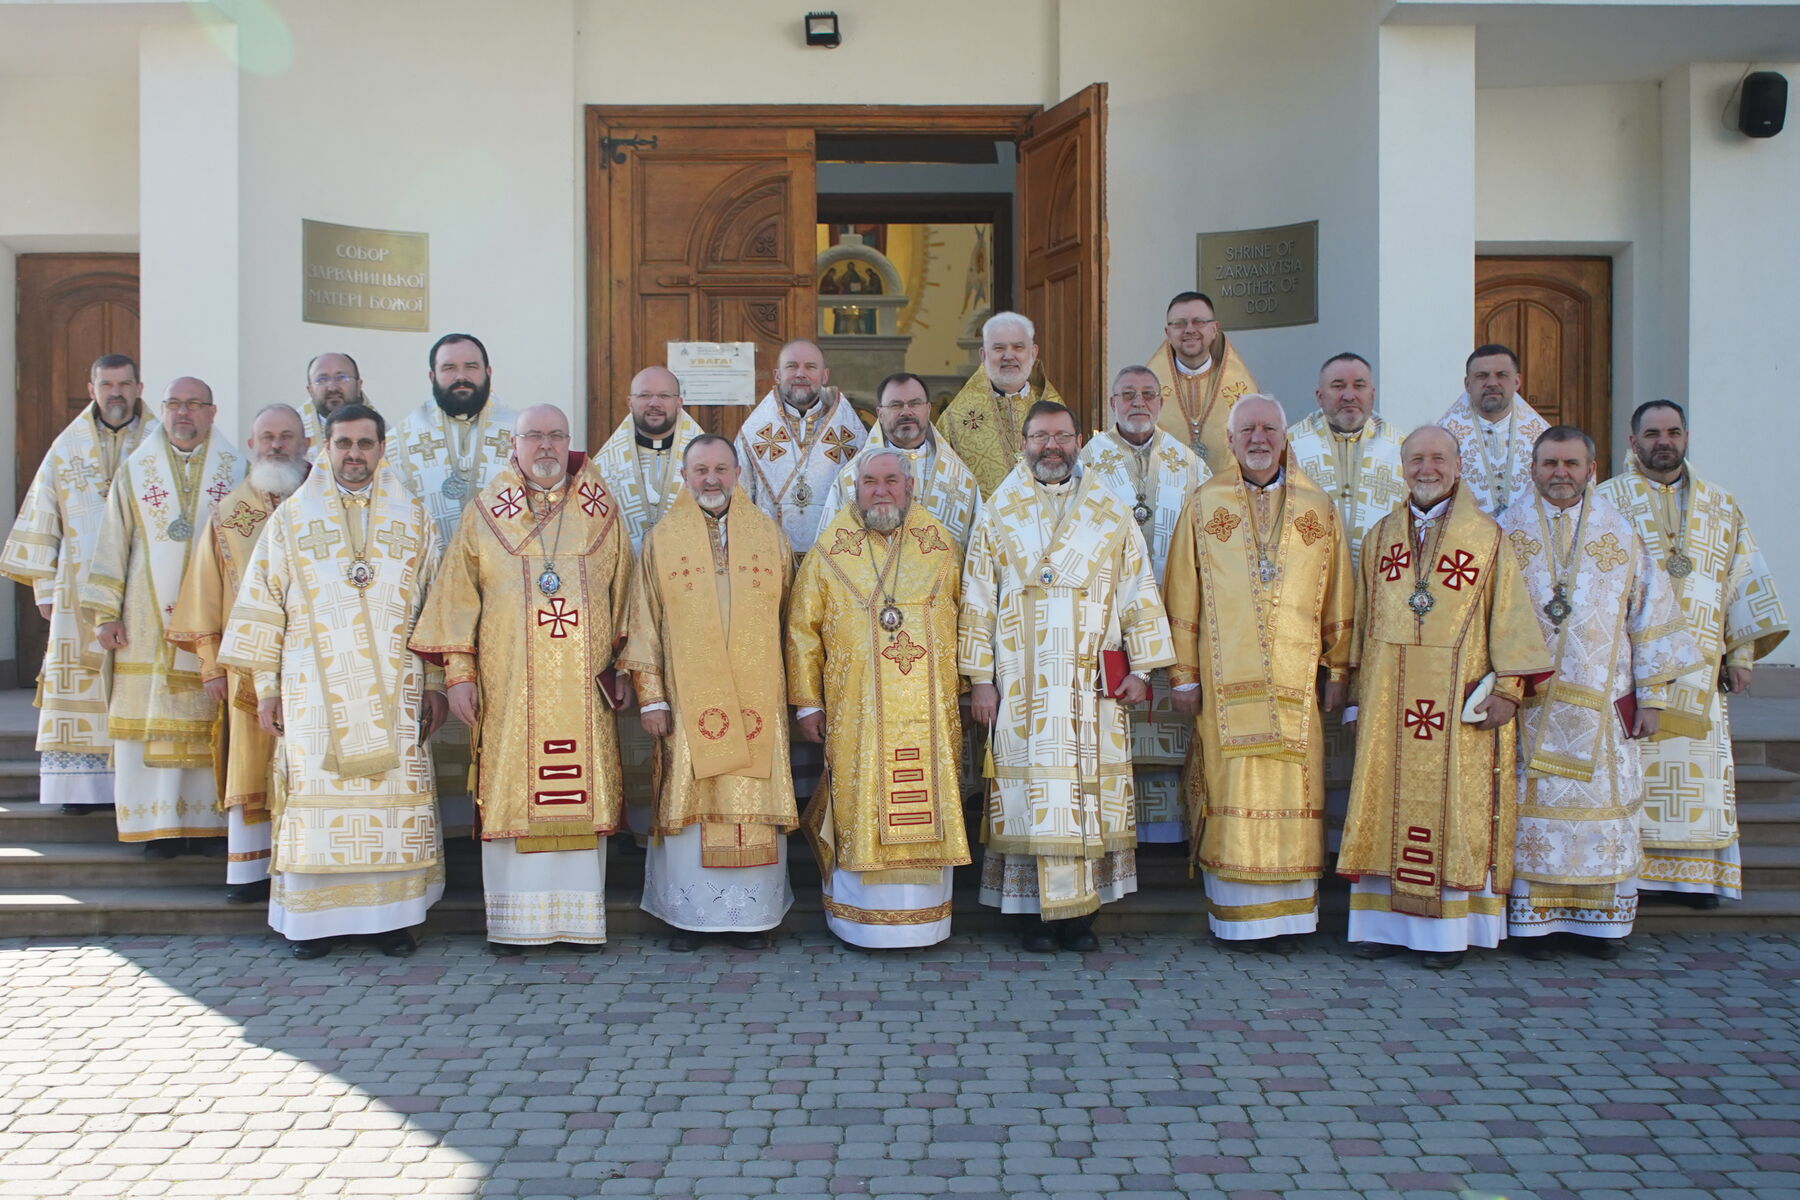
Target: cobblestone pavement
[221, 1067]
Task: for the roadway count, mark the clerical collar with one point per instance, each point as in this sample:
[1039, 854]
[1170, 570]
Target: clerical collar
[350, 491]
[1574, 510]
[805, 415]
[535, 486]
[1673, 484]
[1202, 369]
[1494, 425]
[717, 518]
[1435, 511]
[127, 423]
[1280, 478]
[1024, 392]
[650, 443]
[1354, 436]
[189, 452]
[1057, 489]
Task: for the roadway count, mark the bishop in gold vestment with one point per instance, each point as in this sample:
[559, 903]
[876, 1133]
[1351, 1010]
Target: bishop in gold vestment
[1699, 537]
[1615, 636]
[160, 716]
[640, 465]
[47, 551]
[1428, 840]
[323, 620]
[525, 614]
[982, 421]
[1057, 583]
[1202, 377]
[871, 653]
[242, 750]
[705, 651]
[1260, 600]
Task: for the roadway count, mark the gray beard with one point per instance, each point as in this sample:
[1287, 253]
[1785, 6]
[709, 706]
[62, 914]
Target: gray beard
[277, 477]
[882, 522]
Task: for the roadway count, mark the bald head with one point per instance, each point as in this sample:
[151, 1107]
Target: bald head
[800, 375]
[187, 412]
[655, 401]
[541, 444]
[1431, 460]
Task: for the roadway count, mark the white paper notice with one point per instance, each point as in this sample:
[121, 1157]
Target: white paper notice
[715, 372]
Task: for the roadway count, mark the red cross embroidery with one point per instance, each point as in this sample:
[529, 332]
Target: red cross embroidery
[1395, 562]
[904, 652]
[849, 541]
[154, 496]
[244, 519]
[1424, 719]
[1457, 570]
[770, 443]
[593, 498]
[838, 447]
[974, 420]
[561, 617]
[219, 490]
[512, 503]
[929, 539]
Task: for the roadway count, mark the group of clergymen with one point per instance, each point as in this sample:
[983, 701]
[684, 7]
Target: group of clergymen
[1491, 686]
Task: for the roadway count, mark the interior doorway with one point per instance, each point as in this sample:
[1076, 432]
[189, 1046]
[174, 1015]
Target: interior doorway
[1556, 314]
[72, 308]
[704, 224]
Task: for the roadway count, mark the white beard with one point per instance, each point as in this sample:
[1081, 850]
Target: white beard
[278, 477]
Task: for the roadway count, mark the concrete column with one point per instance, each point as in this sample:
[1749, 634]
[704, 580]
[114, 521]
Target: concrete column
[1425, 290]
[188, 212]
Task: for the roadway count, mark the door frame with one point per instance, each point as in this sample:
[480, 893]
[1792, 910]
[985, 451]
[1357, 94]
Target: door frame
[1002, 122]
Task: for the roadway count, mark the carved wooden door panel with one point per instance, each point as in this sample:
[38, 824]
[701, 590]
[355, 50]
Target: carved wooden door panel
[1556, 314]
[1062, 246]
[707, 235]
[73, 308]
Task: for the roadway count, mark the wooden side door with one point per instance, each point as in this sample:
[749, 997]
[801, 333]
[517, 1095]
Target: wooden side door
[72, 308]
[1556, 314]
[707, 235]
[1062, 246]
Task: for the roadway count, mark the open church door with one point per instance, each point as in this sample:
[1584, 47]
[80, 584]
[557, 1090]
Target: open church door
[1062, 246]
[705, 232]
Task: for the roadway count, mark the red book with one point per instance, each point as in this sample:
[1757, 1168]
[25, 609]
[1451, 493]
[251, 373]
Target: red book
[1114, 667]
[611, 688]
[1626, 707]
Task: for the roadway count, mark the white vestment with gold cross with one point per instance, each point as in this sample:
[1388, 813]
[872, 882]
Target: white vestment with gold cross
[357, 842]
[790, 461]
[1157, 477]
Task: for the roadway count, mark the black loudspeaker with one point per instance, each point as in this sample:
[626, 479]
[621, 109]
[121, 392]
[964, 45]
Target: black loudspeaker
[1763, 110]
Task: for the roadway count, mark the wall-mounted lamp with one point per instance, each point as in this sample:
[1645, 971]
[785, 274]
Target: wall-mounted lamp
[822, 30]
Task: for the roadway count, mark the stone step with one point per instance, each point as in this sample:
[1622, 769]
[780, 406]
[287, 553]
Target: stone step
[18, 775]
[1770, 867]
[1761, 783]
[1770, 823]
[100, 911]
[23, 820]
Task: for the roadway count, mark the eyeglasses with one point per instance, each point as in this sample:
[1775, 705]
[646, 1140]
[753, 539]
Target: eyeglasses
[555, 437]
[665, 397]
[339, 378]
[904, 405]
[1050, 439]
[1130, 394]
[188, 406]
[1193, 323]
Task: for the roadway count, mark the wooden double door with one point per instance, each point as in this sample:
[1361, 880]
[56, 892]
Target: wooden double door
[702, 227]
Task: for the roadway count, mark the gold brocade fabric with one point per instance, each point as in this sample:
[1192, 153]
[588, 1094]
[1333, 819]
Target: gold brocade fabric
[1056, 575]
[351, 691]
[135, 578]
[941, 483]
[1360, 472]
[680, 604]
[48, 550]
[1434, 800]
[1582, 787]
[1206, 399]
[1257, 808]
[1731, 608]
[893, 739]
[985, 428]
[242, 755]
[548, 759]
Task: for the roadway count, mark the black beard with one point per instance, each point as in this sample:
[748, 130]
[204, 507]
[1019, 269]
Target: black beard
[458, 406]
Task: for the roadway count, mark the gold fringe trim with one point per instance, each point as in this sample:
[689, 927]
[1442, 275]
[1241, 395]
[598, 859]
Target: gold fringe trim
[887, 916]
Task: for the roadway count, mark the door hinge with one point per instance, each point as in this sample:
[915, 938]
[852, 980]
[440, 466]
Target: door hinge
[612, 150]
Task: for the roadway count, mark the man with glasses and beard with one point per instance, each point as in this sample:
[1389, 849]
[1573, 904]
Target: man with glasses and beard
[332, 381]
[243, 751]
[1061, 625]
[47, 551]
[445, 452]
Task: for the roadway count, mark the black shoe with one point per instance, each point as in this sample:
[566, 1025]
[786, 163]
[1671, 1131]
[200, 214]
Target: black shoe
[397, 943]
[1076, 935]
[761, 939]
[1540, 949]
[162, 848]
[312, 948]
[582, 947]
[1441, 961]
[1037, 936]
[1604, 949]
[684, 942]
[1375, 950]
[1700, 901]
[82, 810]
[209, 847]
[502, 950]
[248, 893]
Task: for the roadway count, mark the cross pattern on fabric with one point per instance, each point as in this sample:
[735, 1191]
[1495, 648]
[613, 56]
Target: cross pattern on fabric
[929, 539]
[771, 443]
[1395, 562]
[1223, 523]
[154, 496]
[974, 420]
[839, 445]
[509, 503]
[561, 617]
[1607, 553]
[244, 519]
[431, 442]
[904, 652]
[319, 539]
[1525, 547]
[396, 539]
[1458, 569]
[593, 498]
[219, 490]
[1424, 719]
[848, 541]
[1309, 528]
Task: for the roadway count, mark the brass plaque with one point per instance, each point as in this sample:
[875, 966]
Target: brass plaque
[1262, 278]
[365, 278]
